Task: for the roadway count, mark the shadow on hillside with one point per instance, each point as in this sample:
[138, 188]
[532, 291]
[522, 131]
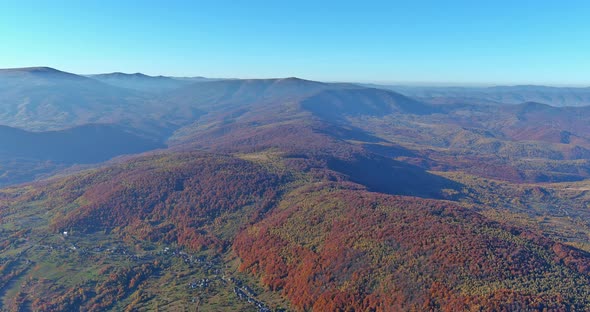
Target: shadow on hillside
[349, 133]
[385, 175]
[85, 144]
[389, 150]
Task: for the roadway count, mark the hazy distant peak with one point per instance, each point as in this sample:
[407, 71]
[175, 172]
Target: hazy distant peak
[140, 81]
[295, 79]
[32, 70]
[39, 71]
[120, 75]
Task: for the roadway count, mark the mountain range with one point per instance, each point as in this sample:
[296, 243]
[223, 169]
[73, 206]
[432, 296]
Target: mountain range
[164, 193]
[555, 96]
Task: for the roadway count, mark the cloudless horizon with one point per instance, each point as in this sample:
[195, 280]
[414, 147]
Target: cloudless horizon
[422, 42]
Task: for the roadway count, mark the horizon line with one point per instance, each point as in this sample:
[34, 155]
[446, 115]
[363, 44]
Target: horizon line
[391, 83]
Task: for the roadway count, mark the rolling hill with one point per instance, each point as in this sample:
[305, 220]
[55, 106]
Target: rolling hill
[258, 228]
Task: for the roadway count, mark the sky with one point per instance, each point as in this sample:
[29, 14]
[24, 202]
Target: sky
[411, 42]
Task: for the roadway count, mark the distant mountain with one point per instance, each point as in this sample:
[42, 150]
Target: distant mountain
[199, 79]
[35, 74]
[237, 92]
[555, 96]
[42, 98]
[247, 115]
[141, 82]
[245, 112]
[251, 114]
[363, 101]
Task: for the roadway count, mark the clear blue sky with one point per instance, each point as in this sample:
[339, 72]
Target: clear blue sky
[465, 42]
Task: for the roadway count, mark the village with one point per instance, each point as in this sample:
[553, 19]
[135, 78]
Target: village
[65, 244]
